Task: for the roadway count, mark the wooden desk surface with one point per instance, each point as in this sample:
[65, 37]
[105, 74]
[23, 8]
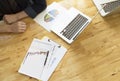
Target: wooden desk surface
[94, 56]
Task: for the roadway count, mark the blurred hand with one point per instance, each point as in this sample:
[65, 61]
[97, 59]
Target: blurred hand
[9, 19]
[17, 27]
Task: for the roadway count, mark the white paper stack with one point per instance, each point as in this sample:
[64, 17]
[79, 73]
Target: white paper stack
[42, 58]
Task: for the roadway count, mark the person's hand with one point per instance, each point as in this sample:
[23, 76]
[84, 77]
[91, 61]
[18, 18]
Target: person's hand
[18, 27]
[9, 19]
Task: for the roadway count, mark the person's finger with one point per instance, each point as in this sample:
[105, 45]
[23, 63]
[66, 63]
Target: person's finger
[22, 23]
[22, 28]
[6, 20]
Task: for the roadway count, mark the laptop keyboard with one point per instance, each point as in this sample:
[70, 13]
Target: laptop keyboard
[110, 6]
[74, 26]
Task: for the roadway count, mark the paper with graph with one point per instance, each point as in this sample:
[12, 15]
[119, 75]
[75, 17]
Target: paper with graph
[49, 16]
[42, 58]
[36, 58]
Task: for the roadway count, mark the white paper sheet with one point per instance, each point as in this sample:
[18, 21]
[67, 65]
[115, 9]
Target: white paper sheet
[49, 16]
[34, 61]
[34, 65]
[56, 57]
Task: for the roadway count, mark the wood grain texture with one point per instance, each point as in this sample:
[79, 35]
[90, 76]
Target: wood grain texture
[93, 56]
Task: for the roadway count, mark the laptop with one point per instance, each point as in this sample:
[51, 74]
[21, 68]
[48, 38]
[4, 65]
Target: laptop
[107, 6]
[71, 25]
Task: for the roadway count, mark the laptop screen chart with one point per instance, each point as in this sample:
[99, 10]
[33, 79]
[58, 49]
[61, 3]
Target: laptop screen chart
[50, 16]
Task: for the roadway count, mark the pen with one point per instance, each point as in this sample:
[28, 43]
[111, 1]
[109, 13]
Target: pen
[46, 58]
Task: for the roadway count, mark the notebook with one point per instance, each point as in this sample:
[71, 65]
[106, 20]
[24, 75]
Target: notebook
[70, 25]
[107, 6]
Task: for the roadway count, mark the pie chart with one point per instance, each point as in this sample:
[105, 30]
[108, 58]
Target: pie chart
[50, 16]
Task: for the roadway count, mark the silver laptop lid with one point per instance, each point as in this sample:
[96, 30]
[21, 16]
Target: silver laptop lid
[76, 23]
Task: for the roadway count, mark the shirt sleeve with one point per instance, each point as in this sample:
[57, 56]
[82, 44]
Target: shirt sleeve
[35, 8]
